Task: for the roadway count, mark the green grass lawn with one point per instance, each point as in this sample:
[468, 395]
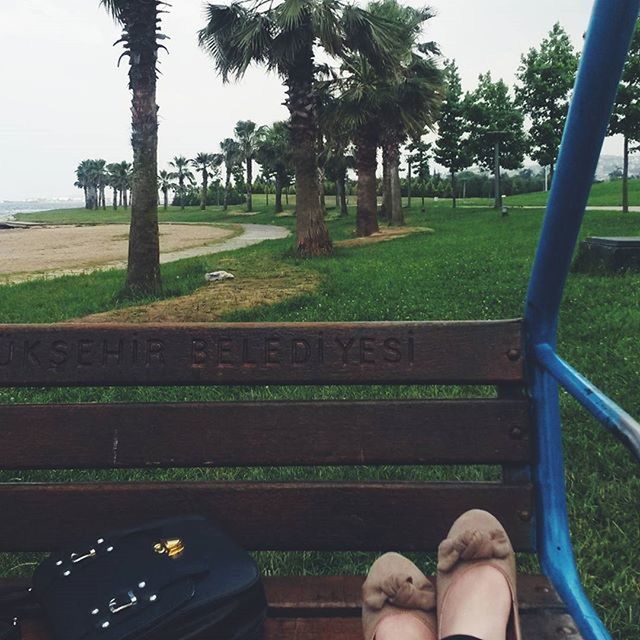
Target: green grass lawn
[603, 194]
[475, 266]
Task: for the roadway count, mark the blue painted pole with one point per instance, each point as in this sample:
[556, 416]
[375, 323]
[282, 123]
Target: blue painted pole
[606, 411]
[606, 45]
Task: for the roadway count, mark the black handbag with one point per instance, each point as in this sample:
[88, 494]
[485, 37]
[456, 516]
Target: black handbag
[167, 580]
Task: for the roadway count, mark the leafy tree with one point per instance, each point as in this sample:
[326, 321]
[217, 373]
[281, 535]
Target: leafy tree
[140, 20]
[451, 147]
[626, 112]
[183, 175]
[282, 35]
[248, 135]
[418, 157]
[546, 78]
[232, 156]
[496, 134]
[275, 156]
[205, 163]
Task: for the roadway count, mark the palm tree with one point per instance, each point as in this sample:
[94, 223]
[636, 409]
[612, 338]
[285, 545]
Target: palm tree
[182, 173]
[232, 156]
[249, 135]
[274, 155]
[204, 162]
[100, 180]
[122, 173]
[282, 35]
[383, 107]
[140, 20]
[113, 181]
[83, 181]
[165, 183]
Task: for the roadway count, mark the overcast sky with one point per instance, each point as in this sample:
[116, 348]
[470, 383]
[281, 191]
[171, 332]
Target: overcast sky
[62, 98]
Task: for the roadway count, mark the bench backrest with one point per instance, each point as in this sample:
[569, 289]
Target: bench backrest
[266, 515]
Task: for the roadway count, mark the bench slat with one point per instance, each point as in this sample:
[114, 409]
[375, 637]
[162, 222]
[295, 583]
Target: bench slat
[536, 625]
[323, 607]
[89, 436]
[306, 596]
[322, 353]
[278, 516]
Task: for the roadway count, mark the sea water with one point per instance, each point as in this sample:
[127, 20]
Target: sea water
[9, 208]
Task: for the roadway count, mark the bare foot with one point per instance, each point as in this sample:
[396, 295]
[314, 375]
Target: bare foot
[477, 604]
[403, 626]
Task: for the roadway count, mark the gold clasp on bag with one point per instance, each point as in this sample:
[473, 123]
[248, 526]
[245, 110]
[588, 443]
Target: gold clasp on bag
[173, 548]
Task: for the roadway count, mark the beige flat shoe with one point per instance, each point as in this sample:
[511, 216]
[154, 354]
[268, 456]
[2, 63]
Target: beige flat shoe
[477, 538]
[394, 585]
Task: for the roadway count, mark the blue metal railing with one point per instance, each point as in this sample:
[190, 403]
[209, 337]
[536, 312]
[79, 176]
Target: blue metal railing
[606, 45]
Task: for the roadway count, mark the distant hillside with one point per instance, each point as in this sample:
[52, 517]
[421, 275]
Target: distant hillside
[602, 194]
[607, 164]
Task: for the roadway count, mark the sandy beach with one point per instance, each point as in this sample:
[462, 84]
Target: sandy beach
[58, 249]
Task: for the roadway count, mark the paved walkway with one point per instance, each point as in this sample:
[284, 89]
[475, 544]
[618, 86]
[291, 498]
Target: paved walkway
[251, 234]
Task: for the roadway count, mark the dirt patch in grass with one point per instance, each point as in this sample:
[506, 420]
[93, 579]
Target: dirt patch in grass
[385, 233]
[264, 281]
[51, 251]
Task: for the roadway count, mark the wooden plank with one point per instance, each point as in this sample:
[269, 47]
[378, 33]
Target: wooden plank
[322, 353]
[538, 625]
[267, 433]
[340, 596]
[279, 516]
[313, 596]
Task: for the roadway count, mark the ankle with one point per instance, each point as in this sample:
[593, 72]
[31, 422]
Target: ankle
[478, 604]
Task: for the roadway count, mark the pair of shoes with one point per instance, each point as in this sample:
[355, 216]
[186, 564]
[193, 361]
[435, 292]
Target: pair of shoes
[395, 585]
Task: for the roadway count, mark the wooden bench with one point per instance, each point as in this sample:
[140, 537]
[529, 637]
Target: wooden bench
[325, 516]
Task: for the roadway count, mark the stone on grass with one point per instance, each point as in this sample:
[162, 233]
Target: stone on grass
[218, 276]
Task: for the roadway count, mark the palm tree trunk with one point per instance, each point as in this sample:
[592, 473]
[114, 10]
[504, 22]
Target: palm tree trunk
[227, 184]
[323, 195]
[86, 196]
[625, 176]
[366, 147]
[143, 267]
[104, 198]
[249, 184]
[165, 195]
[126, 199]
[409, 184]
[115, 199]
[385, 211]
[393, 157]
[312, 235]
[181, 188]
[342, 181]
[279, 182]
[266, 192]
[453, 187]
[203, 193]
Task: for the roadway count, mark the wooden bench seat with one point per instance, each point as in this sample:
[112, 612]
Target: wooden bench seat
[334, 514]
[329, 608]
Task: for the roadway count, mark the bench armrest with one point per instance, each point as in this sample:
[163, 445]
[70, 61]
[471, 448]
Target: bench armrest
[608, 413]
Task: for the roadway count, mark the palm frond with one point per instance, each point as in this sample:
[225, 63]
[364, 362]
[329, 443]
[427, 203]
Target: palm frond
[290, 14]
